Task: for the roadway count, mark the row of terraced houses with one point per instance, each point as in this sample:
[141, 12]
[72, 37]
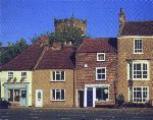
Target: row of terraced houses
[93, 74]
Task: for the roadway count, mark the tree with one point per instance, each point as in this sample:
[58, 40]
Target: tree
[12, 50]
[68, 34]
[0, 44]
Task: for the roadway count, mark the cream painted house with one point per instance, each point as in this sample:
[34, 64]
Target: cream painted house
[16, 76]
[16, 87]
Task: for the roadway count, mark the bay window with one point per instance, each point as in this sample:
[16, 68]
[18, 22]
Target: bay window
[138, 70]
[140, 94]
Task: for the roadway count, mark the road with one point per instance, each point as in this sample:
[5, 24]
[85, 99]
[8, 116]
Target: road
[77, 114]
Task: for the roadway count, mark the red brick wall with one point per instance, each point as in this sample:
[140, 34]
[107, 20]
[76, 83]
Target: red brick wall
[87, 75]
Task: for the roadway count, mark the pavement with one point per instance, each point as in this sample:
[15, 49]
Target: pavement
[77, 114]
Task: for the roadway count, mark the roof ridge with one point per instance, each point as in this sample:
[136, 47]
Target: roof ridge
[40, 57]
[140, 21]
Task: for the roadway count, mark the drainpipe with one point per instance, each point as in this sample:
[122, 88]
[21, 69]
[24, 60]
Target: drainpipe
[74, 87]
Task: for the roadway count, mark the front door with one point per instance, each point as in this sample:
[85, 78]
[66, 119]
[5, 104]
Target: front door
[89, 97]
[23, 97]
[81, 98]
[39, 98]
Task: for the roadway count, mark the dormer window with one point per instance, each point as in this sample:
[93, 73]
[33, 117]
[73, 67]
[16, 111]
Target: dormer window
[100, 56]
[138, 46]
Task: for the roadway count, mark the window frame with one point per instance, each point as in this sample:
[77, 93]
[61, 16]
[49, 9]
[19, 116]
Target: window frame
[141, 63]
[61, 80]
[134, 46]
[101, 73]
[51, 94]
[25, 77]
[142, 94]
[101, 54]
[130, 70]
[8, 76]
[106, 87]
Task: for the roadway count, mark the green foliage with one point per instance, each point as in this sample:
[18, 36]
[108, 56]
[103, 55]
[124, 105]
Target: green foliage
[72, 34]
[0, 44]
[12, 50]
[67, 34]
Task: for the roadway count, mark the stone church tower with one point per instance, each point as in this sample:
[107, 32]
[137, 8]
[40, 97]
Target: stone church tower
[60, 24]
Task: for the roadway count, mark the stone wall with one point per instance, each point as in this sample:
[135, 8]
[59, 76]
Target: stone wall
[41, 80]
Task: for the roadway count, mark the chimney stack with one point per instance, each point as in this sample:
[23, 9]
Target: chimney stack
[122, 20]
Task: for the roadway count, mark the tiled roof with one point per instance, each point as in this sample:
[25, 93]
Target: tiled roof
[57, 59]
[138, 28]
[26, 60]
[98, 45]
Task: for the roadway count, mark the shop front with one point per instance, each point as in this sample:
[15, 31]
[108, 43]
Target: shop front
[95, 94]
[16, 93]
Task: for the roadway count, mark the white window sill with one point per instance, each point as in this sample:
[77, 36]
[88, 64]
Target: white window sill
[101, 60]
[58, 100]
[100, 79]
[138, 53]
[140, 79]
[57, 80]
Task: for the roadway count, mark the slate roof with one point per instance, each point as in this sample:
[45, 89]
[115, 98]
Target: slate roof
[98, 45]
[138, 28]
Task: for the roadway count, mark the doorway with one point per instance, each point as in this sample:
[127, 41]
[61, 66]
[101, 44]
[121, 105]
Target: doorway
[81, 98]
[39, 98]
[89, 97]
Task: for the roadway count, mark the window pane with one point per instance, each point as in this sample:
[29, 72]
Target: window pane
[101, 73]
[102, 94]
[99, 70]
[99, 93]
[57, 94]
[101, 56]
[138, 46]
[99, 76]
[144, 66]
[62, 94]
[62, 75]
[10, 75]
[53, 75]
[53, 94]
[103, 76]
[57, 76]
[140, 94]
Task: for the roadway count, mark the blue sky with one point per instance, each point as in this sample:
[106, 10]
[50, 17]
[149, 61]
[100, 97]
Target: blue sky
[27, 18]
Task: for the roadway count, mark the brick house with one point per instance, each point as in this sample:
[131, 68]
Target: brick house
[95, 76]
[135, 60]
